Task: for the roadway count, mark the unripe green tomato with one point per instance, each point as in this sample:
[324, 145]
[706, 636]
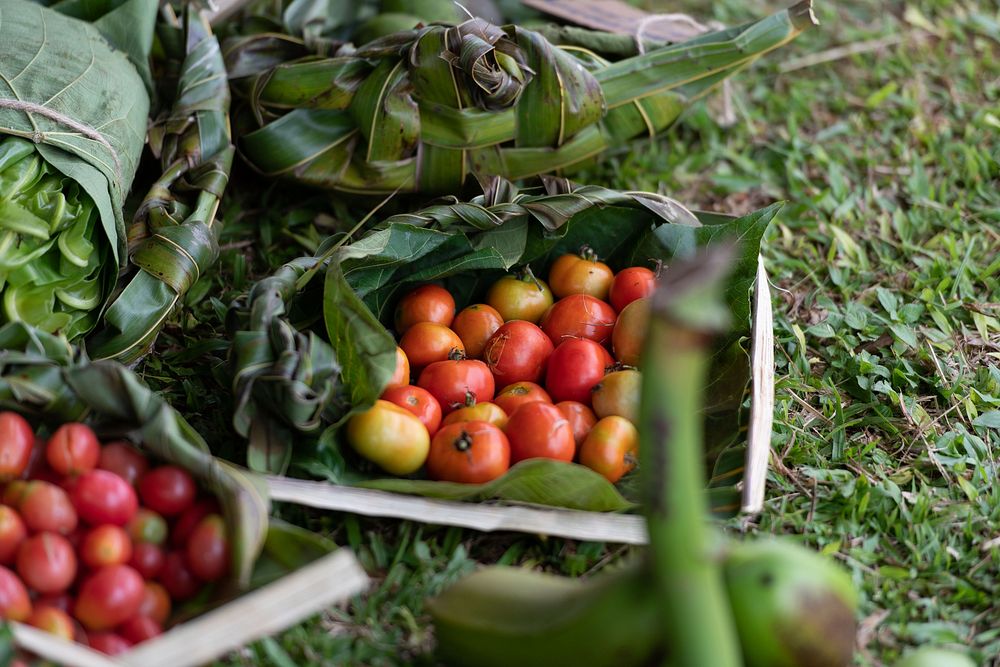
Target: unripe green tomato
[390, 437]
[617, 394]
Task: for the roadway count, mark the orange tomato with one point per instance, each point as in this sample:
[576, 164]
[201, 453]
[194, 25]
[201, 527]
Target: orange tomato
[401, 376]
[579, 316]
[427, 342]
[581, 419]
[630, 284]
[419, 401]
[580, 274]
[611, 448]
[539, 430]
[515, 395]
[428, 303]
[474, 325]
[630, 331]
[482, 412]
[468, 452]
[390, 437]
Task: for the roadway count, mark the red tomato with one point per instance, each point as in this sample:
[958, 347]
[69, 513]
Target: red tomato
[468, 452]
[474, 325]
[611, 448]
[401, 376]
[515, 395]
[37, 465]
[108, 643]
[519, 297]
[73, 449]
[54, 621]
[16, 442]
[140, 628]
[147, 559]
[103, 497]
[518, 351]
[109, 597]
[106, 545]
[419, 401]
[579, 316]
[61, 601]
[178, 578]
[147, 526]
[457, 382]
[15, 605]
[47, 563]
[574, 368]
[630, 332]
[428, 303]
[190, 518]
[618, 394]
[45, 506]
[581, 419]
[208, 549]
[630, 284]
[539, 430]
[426, 342]
[580, 274]
[168, 490]
[12, 533]
[480, 412]
[155, 602]
[124, 460]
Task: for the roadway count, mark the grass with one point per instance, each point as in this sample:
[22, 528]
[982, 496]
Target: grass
[887, 267]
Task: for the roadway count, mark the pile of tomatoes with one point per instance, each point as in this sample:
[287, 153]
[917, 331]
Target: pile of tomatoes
[96, 544]
[563, 354]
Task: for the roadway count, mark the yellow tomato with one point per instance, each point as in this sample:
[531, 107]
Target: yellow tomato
[618, 394]
[390, 437]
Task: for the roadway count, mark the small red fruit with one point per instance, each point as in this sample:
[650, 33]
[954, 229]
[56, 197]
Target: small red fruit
[140, 628]
[518, 351]
[515, 395]
[147, 559]
[16, 442]
[106, 545]
[109, 597]
[147, 526]
[124, 460]
[539, 430]
[427, 303]
[189, 519]
[12, 533]
[419, 401]
[46, 507]
[103, 497]
[54, 621]
[47, 563]
[630, 284]
[178, 578]
[208, 549]
[168, 490]
[73, 449]
[108, 643]
[15, 605]
[155, 602]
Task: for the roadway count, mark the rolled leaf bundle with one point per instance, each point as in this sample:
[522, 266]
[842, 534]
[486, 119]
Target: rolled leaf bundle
[421, 110]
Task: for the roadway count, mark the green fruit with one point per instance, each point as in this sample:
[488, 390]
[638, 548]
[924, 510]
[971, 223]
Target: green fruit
[935, 657]
[793, 607]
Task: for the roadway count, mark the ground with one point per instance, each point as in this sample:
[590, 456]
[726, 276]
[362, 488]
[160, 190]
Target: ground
[881, 130]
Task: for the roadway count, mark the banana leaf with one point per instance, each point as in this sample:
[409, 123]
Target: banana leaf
[424, 109]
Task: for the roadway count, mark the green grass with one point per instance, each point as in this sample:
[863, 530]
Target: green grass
[887, 267]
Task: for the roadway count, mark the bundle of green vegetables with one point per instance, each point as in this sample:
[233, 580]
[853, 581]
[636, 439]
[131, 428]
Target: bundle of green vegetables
[425, 108]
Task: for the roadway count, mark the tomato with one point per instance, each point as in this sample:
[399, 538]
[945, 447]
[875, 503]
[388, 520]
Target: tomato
[458, 382]
[426, 342]
[124, 460]
[474, 325]
[147, 559]
[53, 621]
[62, 601]
[155, 602]
[37, 465]
[108, 643]
[177, 578]
[47, 563]
[14, 492]
[518, 351]
[168, 490]
[45, 506]
[574, 368]
[208, 549]
[519, 297]
[611, 448]
[468, 452]
[630, 331]
[419, 401]
[103, 497]
[189, 519]
[12, 533]
[580, 274]
[73, 449]
[618, 394]
[630, 284]
[390, 437]
[480, 412]
[581, 419]
[15, 605]
[16, 442]
[109, 597]
[147, 526]
[539, 430]
[579, 316]
[517, 394]
[106, 545]
[140, 628]
[400, 376]
[428, 303]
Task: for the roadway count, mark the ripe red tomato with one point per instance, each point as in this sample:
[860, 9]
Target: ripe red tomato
[140, 628]
[73, 449]
[428, 303]
[168, 490]
[580, 274]
[109, 597]
[15, 605]
[457, 382]
[208, 549]
[147, 526]
[106, 545]
[54, 621]
[124, 460]
[103, 497]
[108, 643]
[427, 342]
[611, 448]
[47, 563]
[630, 332]
[474, 325]
[518, 351]
[630, 284]
[490, 413]
[190, 517]
[468, 452]
[178, 578]
[618, 394]
[519, 297]
[401, 376]
[579, 316]
[62, 601]
[539, 430]
[46, 507]
[16, 442]
[147, 559]
[155, 602]
[419, 401]
[574, 368]
[12, 533]
[581, 419]
[515, 395]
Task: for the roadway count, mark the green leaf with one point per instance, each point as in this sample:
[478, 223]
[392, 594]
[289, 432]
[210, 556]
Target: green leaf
[989, 419]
